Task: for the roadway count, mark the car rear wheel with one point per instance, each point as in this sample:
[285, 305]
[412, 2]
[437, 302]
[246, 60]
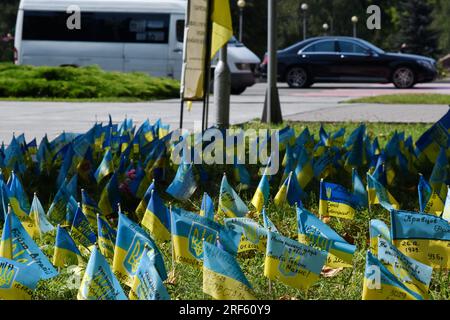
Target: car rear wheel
[403, 78]
[297, 77]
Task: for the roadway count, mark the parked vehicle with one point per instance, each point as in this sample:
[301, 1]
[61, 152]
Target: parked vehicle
[120, 35]
[345, 59]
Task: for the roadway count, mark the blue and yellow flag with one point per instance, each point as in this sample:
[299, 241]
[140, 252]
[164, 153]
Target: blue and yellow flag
[189, 230]
[414, 275]
[183, 185]
[106, 237]
[89, 208]
[6, 246]
[17, 197]
[261, 196]
[223, 278]
[304, 170]
[230, 204]
[24, 249]
[336, 201]
[38, 218]
[66, 252]
[293, 263]
[110, 197]
[241, 175]
[423, 237]
[57, 211]
[378, 194]
[439, 175]
[313, 232]
[359, 190]
[105, 168]
[99, 283]
[147, 284]
[81, 230]
[378, 228]
[18, 280]
[380, 284]
[430, 143]
[429, 200]
[157, 218]
[290, 192]
[140, 210]
[207, 207]
[222, 25]
[130, 242]
[254, 237]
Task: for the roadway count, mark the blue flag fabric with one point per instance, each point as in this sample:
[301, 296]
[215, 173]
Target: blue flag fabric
[183, 185]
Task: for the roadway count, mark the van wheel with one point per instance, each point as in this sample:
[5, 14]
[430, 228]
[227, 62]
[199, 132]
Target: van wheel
[238, 90]
[297, 77]
[403, 78]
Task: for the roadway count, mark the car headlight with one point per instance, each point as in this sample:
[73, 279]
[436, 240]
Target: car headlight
[426, 64]
[243, 66]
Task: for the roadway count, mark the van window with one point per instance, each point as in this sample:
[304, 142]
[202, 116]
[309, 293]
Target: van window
[180, 30]
[97, 27]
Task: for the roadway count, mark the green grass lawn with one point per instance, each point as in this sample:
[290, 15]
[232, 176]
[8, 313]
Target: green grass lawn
[346, 285]
[81, 84]
[405, 99]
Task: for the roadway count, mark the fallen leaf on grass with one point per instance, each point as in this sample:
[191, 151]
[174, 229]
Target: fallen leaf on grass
[330, 273]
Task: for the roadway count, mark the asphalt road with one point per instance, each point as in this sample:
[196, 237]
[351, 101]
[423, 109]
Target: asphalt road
[320, 103]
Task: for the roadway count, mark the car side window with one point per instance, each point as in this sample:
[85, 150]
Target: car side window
[180, 30]
[324, 46]
[351, 47]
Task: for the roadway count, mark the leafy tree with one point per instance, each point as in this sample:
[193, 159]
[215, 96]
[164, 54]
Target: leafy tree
[416, 30]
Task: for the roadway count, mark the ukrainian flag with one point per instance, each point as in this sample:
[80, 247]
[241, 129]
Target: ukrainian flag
[6, 246]
[130, 242]
[85, 166]
[254, 237]
[423, 237]
[293, 263]
[262, 193]
[380, 284]
[17, 197]
[223, 278]
[379, 195]
[359, 190]
[66, 252]
[147, 284]
[378, 228]
[336, 201]
[99, 283]
[207, 207]
[268, 224]
[429, 201]
[106, 237]
[57, 211]
[289, 192]
[304, 170]
[183, 185]
[189, 230]
[105, 168]
[89, 208]
[241, 175]
[81, 230]
[140, 210]
[446, 213]
[38, 218]
[157, 218]
[110, 197]
[230, 204]
[430, 143]
[18, 280]
[414, 275]
[439, 175]
[313, 232]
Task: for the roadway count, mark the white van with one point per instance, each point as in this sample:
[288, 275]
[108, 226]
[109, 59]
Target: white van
[117, 35]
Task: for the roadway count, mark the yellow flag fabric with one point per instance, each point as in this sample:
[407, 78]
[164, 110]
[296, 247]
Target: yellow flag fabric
[222, 25]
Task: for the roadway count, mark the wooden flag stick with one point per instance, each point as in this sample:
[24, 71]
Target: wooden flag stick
[270, 286]
[171, 241]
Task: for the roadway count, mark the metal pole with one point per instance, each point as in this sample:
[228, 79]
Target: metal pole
[354, 30]
[304, 25]
[207, 76]
[222, 87]
[272, 108]
[241, 23]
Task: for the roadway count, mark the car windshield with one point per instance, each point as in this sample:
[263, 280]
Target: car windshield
[371, 46]
[235, 42]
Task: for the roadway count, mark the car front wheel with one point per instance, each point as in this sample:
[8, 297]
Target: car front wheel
[403, 78]
[297, 77]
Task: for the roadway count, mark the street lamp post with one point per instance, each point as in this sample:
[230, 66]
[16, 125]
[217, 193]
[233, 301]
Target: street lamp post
[325, 27]
[355, 21]
[241, 4]
[304, 8]
[272, 108]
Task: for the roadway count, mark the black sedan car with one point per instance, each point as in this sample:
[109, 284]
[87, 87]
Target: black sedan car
[345, 59]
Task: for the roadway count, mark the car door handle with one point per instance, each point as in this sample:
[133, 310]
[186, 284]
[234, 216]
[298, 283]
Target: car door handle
[178, 50]
[342, 56]
[303, 55]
